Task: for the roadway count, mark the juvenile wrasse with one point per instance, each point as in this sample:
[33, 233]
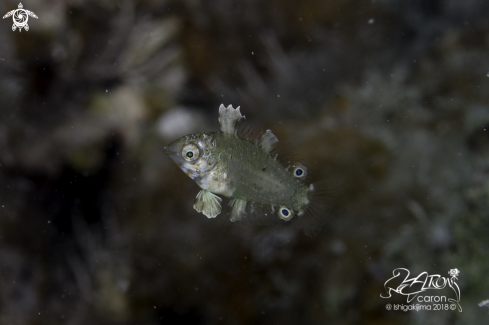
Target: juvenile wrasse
[247, 172]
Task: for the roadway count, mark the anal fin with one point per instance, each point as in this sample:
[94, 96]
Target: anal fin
[208, 203]
[229, 117]
[238, 209]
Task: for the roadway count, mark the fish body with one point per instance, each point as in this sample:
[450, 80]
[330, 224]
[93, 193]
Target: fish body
[245, 171]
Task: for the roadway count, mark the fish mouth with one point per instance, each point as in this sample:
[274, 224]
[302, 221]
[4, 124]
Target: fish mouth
[170, 150]
[174, 148]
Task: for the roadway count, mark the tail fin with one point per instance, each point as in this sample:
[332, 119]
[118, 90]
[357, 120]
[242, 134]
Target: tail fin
[317, 213]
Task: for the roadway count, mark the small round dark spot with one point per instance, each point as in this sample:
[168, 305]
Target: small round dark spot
[299, 172]
[285, 212]
[264, 169]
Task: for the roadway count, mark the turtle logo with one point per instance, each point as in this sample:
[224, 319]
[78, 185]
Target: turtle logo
[20, 16]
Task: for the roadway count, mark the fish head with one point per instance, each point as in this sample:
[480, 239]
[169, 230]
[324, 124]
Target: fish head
[193, 153]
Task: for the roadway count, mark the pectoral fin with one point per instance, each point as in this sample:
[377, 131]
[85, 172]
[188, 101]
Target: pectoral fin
[229, 118]
[208, 203]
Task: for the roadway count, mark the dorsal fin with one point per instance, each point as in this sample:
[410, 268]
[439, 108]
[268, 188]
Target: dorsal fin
[229, 117]
[280, 152]
[267, 140]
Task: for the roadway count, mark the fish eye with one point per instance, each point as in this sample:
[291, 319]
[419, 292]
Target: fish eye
[190, 152]
[299, 171]
[285, 213]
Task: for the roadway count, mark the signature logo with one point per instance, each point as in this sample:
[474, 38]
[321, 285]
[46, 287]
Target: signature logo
[401, 284]
[20, 17]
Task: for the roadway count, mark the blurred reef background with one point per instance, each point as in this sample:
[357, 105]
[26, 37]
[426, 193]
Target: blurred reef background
[97, 225]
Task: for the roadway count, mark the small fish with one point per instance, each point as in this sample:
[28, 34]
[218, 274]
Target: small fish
[246, 171]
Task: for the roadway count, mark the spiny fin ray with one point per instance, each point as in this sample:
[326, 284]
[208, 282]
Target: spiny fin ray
[229, 117]
[208, 203]
[267, 140]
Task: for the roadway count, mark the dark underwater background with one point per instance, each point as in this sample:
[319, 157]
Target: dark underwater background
[390, 98]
